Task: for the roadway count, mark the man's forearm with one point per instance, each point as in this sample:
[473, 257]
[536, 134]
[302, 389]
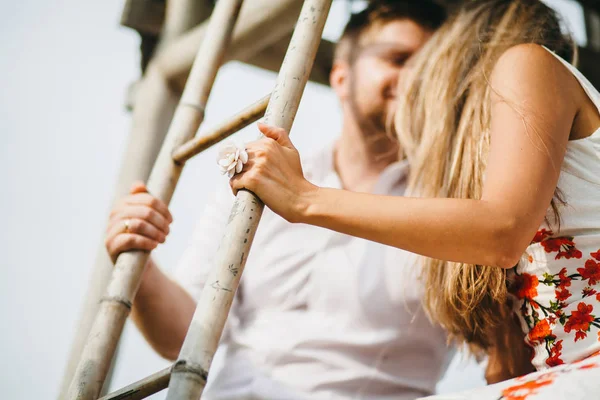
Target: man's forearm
[162, 311]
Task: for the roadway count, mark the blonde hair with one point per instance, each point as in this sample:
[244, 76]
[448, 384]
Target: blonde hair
[443, 125]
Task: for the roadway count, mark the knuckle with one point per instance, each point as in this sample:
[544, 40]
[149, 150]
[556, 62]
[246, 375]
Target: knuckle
[252, 179]
[129, 241]
[147, 214]
[135, 225]
[153, 202]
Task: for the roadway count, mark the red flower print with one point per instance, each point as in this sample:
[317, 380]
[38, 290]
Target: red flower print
[540, 332]
[555, 353]
[524, 286]
[541, 235]
[598, 297]
[580, 335]
[554, 360]
[588, 291]
[523, 390]
[596, 255]
[562, 295]
[565, 246]
[580, 320]
[564, 280]
[590, 272]
[559, 313]
[551, 319]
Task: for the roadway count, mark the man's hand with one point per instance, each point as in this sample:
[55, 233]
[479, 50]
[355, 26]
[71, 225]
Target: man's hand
[138, 222]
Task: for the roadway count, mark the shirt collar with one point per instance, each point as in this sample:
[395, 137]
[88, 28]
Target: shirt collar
[320, 170]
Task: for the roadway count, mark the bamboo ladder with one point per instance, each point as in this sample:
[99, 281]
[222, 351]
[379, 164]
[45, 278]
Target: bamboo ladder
[187, 376]
[142, 147]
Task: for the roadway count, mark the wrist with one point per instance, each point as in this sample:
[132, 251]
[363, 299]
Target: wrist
[307, 203]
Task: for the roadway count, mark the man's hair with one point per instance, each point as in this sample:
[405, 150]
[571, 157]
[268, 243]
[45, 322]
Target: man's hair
[427, 13]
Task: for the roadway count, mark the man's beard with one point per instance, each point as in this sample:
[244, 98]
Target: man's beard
[374, 127]
[373, 124]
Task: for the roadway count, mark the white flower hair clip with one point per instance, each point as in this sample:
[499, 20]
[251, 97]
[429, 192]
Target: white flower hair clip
[231, 158]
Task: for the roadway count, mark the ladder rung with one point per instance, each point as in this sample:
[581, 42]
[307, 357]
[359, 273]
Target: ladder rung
[142, 388]
[239, 121]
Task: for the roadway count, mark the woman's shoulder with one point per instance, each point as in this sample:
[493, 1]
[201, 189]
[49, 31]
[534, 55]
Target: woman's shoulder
[529, 63]
[530, 72]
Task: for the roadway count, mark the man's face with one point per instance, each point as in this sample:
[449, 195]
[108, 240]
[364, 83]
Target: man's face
[372, 78]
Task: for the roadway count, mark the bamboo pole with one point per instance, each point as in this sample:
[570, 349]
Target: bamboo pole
[142, 388]
[239, 121]
[149, 127]
[270, 58]
[160, 380]
[116, 304]
[262, 23]
[190, 371]
[181, 16]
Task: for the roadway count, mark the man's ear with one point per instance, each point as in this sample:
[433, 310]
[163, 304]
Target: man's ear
[339, 78]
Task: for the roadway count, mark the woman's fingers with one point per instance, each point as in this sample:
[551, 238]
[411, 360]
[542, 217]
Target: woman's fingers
[237, 182]
[277, 134]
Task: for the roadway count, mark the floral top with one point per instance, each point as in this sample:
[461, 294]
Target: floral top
[557, 281]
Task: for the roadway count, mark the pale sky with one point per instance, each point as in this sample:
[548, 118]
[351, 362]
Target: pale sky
[65, 66]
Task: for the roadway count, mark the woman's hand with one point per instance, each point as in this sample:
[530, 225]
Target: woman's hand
[138, 222]
[274, 173]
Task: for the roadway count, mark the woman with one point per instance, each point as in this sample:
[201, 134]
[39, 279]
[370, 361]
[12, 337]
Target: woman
[503, 140]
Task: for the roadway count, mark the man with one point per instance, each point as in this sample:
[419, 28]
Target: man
[318, 314]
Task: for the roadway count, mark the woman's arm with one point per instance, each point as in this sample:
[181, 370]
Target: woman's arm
[533, 108]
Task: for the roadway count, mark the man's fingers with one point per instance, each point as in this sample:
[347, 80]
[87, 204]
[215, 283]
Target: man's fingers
[148, 200]
[138, 187]
[129, 241]
[144, 213]
[138, 227]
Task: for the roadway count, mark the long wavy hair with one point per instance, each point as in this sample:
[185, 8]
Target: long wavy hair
[443, 125]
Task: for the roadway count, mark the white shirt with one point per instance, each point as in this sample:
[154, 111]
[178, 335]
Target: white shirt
[319, 314]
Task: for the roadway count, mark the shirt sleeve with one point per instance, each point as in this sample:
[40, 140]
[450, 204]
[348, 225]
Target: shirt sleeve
[199, 256]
